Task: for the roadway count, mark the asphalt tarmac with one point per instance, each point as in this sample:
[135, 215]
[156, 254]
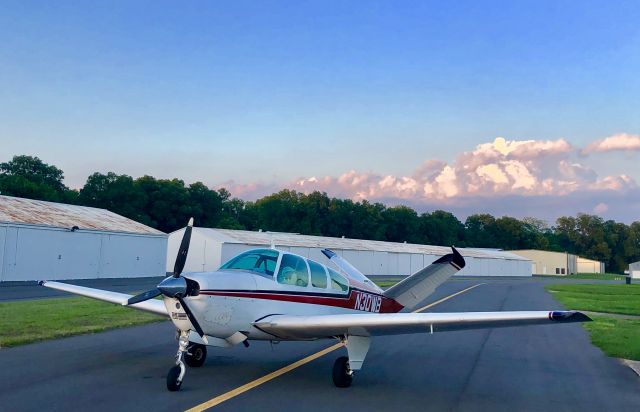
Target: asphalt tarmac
[10, 291]
[538, 368]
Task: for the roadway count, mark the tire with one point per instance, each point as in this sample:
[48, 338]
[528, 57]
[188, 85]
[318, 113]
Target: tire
[196, 355]
[341, 377]
[172, 379]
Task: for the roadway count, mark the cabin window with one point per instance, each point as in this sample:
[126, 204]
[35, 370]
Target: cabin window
[338, 282]
[262, 261]
[318, 274]
[293, 271]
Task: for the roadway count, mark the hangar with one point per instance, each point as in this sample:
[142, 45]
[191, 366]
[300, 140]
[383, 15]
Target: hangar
[545, 262]
[210, 248]
[44, 240]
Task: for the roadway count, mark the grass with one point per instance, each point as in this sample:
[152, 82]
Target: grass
[616, 337]
[624, 299]
[385, 283]
[36, 320]
[588, 276]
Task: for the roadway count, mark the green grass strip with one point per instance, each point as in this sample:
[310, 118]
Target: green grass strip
[616, 337]
[623, 299]
[29, 321]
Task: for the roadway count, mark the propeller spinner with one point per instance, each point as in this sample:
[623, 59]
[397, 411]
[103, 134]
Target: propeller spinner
[175, 286]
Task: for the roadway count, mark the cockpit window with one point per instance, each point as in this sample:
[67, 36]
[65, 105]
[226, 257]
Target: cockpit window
[293, 271]
[338, 282]
[318, 274]
[262, 261]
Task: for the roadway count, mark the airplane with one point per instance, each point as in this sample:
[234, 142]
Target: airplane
[274, 295]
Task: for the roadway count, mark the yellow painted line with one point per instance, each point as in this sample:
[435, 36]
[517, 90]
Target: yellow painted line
[266, 378]
[437, 302]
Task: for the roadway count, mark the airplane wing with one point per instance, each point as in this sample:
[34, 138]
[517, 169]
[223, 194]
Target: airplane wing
[310, 327]
[416, 288]
[152, 305]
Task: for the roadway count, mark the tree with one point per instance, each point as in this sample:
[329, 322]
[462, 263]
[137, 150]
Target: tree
[168, 204]
[30, 177]
[401, 224]
[480, 230]
[442, 228]
[117, 193]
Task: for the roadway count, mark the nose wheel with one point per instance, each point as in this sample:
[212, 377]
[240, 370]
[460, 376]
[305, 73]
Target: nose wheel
[174, 379]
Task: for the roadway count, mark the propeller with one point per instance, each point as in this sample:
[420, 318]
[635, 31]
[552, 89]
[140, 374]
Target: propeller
[175, 286]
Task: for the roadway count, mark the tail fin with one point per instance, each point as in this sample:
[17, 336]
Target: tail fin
[411, 291]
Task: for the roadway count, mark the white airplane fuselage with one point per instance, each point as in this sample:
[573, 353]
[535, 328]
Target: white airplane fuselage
[230, 301]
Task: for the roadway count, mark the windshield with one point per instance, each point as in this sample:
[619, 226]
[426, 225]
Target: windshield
[262, 261]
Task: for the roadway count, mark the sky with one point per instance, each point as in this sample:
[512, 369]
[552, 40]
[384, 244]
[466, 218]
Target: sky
[527, 108]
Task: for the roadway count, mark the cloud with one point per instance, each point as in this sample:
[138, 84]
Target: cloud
[490, 177]
[618, 142]
[601, 208]
[502, 167]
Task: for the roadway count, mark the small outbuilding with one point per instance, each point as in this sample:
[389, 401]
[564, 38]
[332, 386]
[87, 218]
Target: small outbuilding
[544, 262]
[210, 248]
[634, 270]
[589, 265]
[52, 241]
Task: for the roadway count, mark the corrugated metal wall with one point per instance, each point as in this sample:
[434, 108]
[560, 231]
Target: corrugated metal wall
[34, 253]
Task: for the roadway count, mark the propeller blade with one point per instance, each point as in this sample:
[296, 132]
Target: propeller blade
[192, 319]
[150, 294]
[181, 259]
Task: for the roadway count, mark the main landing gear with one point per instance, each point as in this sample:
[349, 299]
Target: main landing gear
[191, 354]
[344, 366]
[342, 373]
[196, 355]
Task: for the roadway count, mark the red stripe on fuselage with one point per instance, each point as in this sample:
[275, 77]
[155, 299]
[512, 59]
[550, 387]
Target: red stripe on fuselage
[349, 301]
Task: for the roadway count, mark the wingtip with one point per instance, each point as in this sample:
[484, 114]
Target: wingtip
[42, 282]
[457, 258]
[190, 224]
[328, 253]
[454, 258]
[569, 316]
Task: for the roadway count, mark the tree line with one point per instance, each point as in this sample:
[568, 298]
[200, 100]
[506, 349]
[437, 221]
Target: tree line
[166, 204]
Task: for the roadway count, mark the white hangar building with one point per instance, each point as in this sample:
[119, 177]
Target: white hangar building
[210, 248]
[52, 241]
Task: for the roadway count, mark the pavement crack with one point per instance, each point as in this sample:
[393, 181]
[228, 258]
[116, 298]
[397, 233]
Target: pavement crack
[472, 370]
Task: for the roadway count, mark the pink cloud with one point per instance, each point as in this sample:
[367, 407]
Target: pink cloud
[503, 169]
[601, 208]
[618, 142]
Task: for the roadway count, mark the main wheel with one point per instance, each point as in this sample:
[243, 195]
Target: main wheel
[341, 376]
[196, 355]
[172, 379]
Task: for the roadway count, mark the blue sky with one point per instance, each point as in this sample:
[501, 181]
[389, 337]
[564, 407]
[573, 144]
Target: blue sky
[268, 92]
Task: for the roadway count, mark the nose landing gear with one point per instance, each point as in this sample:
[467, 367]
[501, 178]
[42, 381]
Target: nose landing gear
[176, 373]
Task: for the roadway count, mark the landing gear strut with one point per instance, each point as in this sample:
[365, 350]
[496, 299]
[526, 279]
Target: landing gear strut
[176, 373]
[343, 368]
